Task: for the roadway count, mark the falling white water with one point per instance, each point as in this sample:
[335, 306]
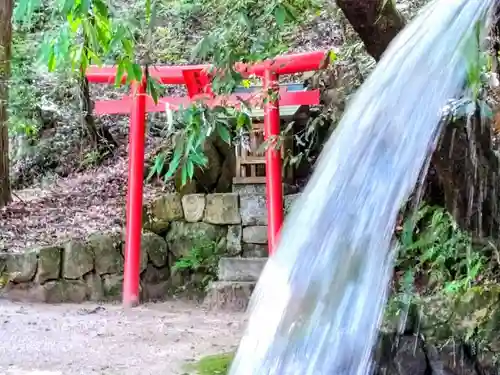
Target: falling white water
[318, 304]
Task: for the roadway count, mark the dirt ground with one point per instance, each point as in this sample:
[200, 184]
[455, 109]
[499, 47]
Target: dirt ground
[107, 340]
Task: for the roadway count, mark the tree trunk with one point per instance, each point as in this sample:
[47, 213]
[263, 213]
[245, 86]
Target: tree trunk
[377, 22]
[464, 171]
[99, 136]
[5, 48]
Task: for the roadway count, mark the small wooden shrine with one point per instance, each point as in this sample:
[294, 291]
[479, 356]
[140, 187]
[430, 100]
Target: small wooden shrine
[250, 161]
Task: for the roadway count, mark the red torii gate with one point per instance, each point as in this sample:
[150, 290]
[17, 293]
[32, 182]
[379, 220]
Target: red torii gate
[198, 86]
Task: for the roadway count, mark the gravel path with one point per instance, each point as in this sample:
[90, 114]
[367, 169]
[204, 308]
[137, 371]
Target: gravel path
[93, 339]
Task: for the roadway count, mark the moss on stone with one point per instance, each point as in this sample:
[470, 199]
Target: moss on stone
[214, 365]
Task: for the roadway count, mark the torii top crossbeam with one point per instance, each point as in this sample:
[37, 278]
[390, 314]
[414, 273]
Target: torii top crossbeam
[197, 82]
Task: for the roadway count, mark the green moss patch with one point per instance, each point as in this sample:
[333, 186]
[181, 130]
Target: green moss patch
[217, 364]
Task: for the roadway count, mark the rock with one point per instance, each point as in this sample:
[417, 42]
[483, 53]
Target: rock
[162, 211]
[194, 207]
[49, 264]
[25, 292]
[57, 291]
[154, 225]
[154, 292]
[233, 240]
[289, 200]
[225, 182]
[208, 177]
[3, 262]
[240, 269]
[78, 259]
[253, 209]
[75, 291]
[222, 208]
[94, 287]
[251, 250]
[154, 275]
[259, 189]
[106, 248]
[229, 295]
[156, 247]
[21, 267]
[407, 357]
[256, 234]
[177, 279]
[168, 208]
[249, 189]
[183, 237]
[190, 187]
[112, 286]
[144, 253]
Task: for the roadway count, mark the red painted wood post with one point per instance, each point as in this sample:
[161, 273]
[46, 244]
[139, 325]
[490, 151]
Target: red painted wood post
[274, 182]
[131, 273]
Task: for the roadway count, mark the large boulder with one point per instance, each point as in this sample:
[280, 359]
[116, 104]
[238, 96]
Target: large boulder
[94, 287]
[106, 248]
[144, 252]
[183, 237]
[154, 275]
[21, 267]
[75, 291]
[49, 264]
[112, 287]
[209, 176]
[78, 259]
[156, 248]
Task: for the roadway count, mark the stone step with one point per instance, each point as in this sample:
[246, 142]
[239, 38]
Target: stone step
[241, 269]
[229, 295]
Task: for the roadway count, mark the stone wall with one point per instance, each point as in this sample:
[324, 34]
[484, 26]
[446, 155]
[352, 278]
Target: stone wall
[92, 269]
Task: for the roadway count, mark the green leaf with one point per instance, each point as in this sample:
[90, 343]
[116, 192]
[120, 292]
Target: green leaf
[199, 159]
[190, 169]
[128, 47]
[280, 14]
[224, 133]
[120, 70]
[152, 88]
[84, 7]
[100, 8]
[184, 175]
[51, 63]
[157, 167]
[134, 72]
[244, 20]
[90, 35]
[174, 163]
[148, 11]
[332, 56]
[68, 6]
[243, 121]
[93, 58]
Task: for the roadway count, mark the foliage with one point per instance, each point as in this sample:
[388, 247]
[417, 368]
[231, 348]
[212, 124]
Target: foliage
[203, 258]
[248, 31]
[448, 277]
[479, 78]
[214, 365]
[189, 129]
[86, 34]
